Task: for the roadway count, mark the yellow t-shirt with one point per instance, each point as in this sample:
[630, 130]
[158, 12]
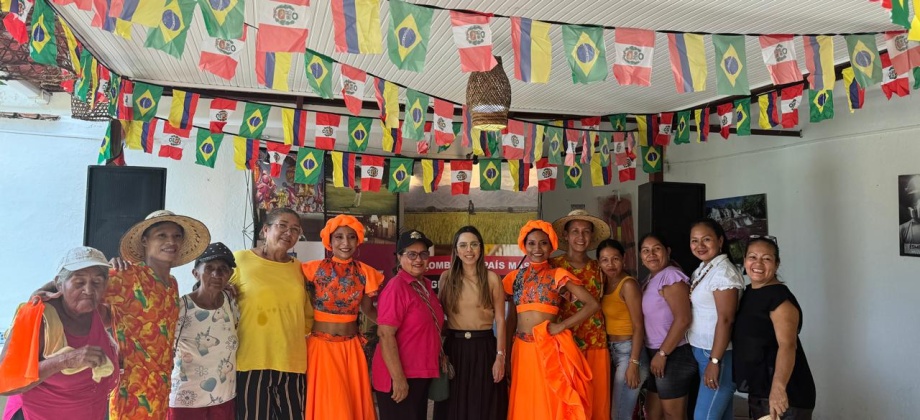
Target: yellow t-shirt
[275, 314]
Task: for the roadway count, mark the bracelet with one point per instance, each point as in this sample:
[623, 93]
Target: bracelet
[634, 361]
[500, 353]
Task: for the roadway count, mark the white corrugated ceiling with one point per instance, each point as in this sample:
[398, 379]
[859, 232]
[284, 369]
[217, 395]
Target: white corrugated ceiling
[442, 76]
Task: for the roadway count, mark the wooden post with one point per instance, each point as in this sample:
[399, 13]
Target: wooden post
[116, 142]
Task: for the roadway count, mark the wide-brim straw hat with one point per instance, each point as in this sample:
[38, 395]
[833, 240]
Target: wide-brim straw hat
[196, 237]
[601, 229]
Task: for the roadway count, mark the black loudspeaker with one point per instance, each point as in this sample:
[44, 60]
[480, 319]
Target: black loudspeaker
[668, 208]
[117, 197]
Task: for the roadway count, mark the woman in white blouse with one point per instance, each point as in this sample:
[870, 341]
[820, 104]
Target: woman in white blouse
[715, 289]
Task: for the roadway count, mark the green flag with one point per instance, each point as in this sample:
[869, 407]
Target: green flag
[900, 13]
[864, 57]
[114, 86]
[254, 119]
[743, 117]
[319, 73]
[146, 99]
[585, 52]
[490, 174]
[309, 166]
[682, 128]
[407, 40]
[493, 142]
[413, 127]
[223, 18]
[554, 138]
[573, 175]
[105, 149]
[731, 59]
[43, 46]
[603, 147]
[916, 72]
[358, 130]
[617, 121]
[207, 146]
[821, 105]
[651, 158]
[400, 174]
[169, 35]
[84, 89]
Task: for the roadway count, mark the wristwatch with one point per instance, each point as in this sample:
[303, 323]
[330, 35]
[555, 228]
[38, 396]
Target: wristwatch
[662, 353]
[714, 361]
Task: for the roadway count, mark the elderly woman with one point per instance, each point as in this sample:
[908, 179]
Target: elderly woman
[769, 362]
[204, 375]
[275, 315]
[338, 384]
[60, 362]
[582, 232]
[410, 317]
[549, 373]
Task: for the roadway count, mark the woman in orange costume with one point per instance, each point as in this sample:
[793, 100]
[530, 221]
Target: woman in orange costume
[338, 384]
[550, 378]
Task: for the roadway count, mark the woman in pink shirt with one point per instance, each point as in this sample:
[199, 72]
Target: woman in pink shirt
[409, 318]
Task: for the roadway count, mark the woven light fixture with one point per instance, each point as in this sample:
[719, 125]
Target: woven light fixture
[488, 98]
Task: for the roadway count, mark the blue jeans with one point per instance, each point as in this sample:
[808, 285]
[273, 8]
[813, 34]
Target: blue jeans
[624, 397]
[714, 405]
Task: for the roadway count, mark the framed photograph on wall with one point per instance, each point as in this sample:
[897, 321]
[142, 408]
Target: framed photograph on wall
[741, 217]
[909, 215]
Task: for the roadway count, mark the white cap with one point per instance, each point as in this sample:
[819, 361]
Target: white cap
[82, 257]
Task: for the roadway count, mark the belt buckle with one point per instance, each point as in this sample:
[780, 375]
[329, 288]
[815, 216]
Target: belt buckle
[467, 335]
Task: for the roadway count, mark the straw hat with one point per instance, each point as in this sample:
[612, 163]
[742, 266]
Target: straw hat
[601, 230]
[196, 235]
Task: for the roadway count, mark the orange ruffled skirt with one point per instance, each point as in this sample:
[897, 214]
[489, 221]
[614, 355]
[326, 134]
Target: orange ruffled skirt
[338, 383]
[599, 361]
[550, 378]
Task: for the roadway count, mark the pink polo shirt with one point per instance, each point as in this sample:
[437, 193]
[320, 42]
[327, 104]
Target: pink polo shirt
[417, 339]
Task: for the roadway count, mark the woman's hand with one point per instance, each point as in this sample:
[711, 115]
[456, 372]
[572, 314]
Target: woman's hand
[779, 402]
[119, 264]
[86, 356]
[658, 364]
[632, 375]
[400, 390]
[498, 369]
[555, 328]
[711, 376]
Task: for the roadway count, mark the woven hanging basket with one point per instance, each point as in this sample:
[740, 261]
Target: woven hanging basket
[488, 98]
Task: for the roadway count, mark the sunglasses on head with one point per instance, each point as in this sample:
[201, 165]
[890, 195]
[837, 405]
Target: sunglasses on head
[767, 237]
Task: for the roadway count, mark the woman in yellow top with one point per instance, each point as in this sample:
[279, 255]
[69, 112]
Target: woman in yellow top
[338, 383]
[582, 232]
[550, 378]
[622, 308]
[275, 315]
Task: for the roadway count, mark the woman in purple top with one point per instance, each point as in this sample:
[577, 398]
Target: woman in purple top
[410, 317]
[666, 309]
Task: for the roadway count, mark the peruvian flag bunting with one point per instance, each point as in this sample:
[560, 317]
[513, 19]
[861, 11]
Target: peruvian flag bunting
[103, 85]
[779, 56]
[633, 59]
[220, 56]
[461, 172]
[624, 156]
[327, 126]
[474, 40]
[443, 122]
[221, 110]
[791, 98]
[665, 125]
[15, 20]
[904, 54]
[171, 144]
[125, 109]
[353, 81]
[572, 138]
[513, 140]
[546, 175]
[276, 154]
[726, 116]
[283, 25]
[371, 172]
[892, 82]
[422, 146]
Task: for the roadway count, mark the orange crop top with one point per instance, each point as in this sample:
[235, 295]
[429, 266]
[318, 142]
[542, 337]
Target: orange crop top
[616, 314]
[538, 287]
[338, 286]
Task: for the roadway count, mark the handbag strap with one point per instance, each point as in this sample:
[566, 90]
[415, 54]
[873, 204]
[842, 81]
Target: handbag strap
[425, 296]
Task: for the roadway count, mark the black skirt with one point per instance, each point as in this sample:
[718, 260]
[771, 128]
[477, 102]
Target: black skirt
[473, 393]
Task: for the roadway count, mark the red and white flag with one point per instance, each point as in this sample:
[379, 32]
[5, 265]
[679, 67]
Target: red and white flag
[665, 128]
[513, 140]
[221, 110]
[353, 81]
[779, 56]
[789, 105]
[283, 25]
[276, 154]
[474, 40]
[624, 157]
[15, 20]
[327, 126]
[461, 172]
[371, 172]
[892, 82]
[904, 54]
[220, 56]
[589, 138]
[727, 116]
[171, 144]
[546, 175]
[125, 104]
[422, 146]
[634, 49]
[443, 122]
[105, 78]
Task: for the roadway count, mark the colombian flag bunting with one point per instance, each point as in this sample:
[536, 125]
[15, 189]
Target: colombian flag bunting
[74, 48]
[688, 62]
[283, 25]
[520, 175]
[585, 52]
[220, 112]
[416, 111]
[245, 153]
[356, 24]
[140, 12]
[103, 20]
[743, 116]
[309, 166]
[272, 70]
[276, 154]
[327, 126]
[223, 19]
[443, 122]
[140, 135]
[769, 110]
[432, 169]
[15, 20]
[634, 51]
[461, 173]
[682, 131]
[573, 176]
[819, 60]
[391, 139]
[371, 172]
[43, 45]
[513, 140]
[221, 56]
[407, 39]
[601, 174]
[537, 133]
[791, 99]
[207, 146]
[353, 81]
[358, 132]
[146, 99]
[532, 50]
[665, 127]
[864, 59]
[170, 32]
[295, 126]
[468, 131]
[490, 174]
[856, 95]
[647, 128]
[254, 118]
[388, 101]
[182, 112]
[105, 149]
[318, 68]
[731, 65]
[701, 117]
[892, 82]
[726, 116]
[546, 176]
[400, 175]
[473, 38]
[343, 169]
[779, 56]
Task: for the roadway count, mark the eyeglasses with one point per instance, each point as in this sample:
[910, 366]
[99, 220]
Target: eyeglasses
[471, 245]
[295, 230]
[767, 237]
[412, 255]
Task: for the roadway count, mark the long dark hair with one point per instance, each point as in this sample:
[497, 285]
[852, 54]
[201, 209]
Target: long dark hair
[716, 227]
[452, 286]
